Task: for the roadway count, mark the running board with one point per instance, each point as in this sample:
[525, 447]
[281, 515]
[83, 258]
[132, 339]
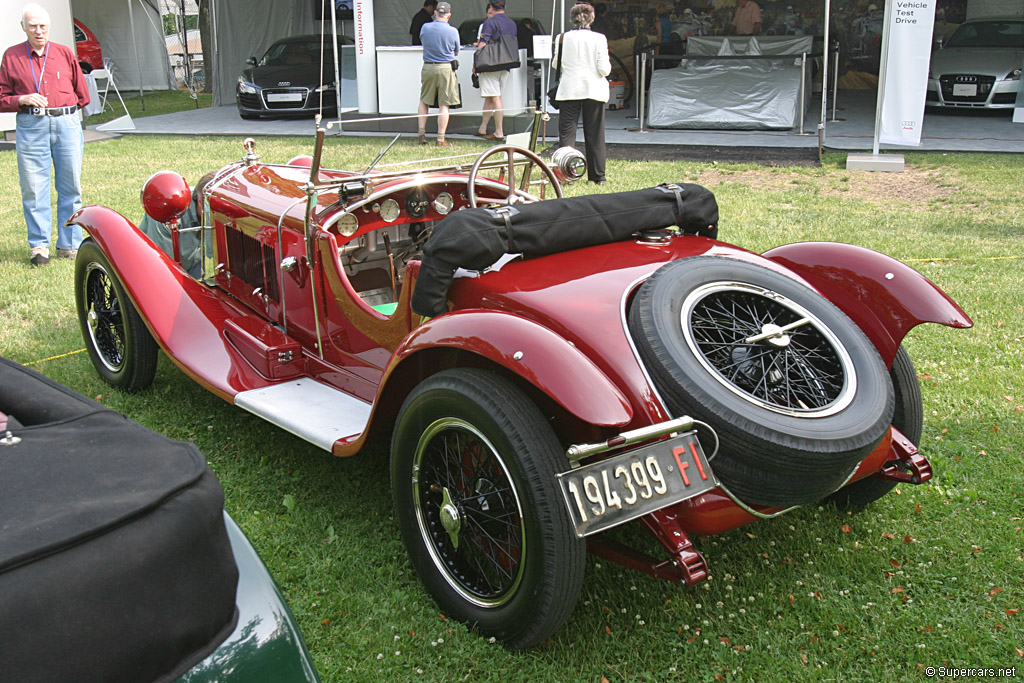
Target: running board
[308, 409]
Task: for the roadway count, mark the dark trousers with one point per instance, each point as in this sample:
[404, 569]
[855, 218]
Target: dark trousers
[593, 132]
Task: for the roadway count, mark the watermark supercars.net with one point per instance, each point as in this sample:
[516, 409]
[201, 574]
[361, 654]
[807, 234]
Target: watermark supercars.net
[970, 672]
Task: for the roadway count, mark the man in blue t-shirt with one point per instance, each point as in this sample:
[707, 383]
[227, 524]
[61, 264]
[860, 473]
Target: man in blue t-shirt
[438, 80]
[492, 83]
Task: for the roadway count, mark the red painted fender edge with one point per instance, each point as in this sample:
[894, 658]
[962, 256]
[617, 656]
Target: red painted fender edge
[886, 298]
[532, 351]
[185, 319]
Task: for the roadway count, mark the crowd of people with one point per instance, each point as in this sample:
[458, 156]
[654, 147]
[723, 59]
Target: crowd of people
[581, 54]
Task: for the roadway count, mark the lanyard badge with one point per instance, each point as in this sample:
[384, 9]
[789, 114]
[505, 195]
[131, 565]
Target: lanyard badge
[46, 54]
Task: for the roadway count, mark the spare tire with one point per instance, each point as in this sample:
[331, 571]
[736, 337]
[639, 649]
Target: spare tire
[797, 393]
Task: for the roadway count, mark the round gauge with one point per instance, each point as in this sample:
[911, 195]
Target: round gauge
[348, 224]
[390, 210]
[417, 203]
[443, 203]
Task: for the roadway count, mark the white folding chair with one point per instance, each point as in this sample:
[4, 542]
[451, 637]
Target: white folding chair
[104, 81]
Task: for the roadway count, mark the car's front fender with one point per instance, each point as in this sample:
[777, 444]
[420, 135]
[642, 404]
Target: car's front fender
[531, 351]
[183, 316]
[885, 297]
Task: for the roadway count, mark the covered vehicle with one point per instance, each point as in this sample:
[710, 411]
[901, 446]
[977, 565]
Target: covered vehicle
[117, 560]
[546, 368]
[291, 78]
[979, 66]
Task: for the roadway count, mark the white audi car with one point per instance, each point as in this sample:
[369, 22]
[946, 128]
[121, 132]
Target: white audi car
[979, 66]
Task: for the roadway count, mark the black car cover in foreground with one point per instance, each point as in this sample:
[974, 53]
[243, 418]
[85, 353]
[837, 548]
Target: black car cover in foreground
[114, 560]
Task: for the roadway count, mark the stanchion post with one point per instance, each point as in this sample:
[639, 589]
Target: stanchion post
[643, 87]
[803, 89]
[835, 81]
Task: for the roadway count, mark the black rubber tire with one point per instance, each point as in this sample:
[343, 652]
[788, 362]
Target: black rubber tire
[798, 411]
[518, 579]
[908, 418]
[119, 344]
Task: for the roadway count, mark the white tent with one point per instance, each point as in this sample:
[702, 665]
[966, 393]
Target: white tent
[246, 29]
[132, 37]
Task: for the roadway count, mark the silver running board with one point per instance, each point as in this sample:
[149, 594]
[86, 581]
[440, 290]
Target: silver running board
[308, 409]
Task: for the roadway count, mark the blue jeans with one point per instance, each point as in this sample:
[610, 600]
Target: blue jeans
[42, 141]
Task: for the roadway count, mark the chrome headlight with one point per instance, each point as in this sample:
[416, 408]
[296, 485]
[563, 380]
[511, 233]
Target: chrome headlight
[325, 88]
[246, 87]
[568, 163]
[1013, 75]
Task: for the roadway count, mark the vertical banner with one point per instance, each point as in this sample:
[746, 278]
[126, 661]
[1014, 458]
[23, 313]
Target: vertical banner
[910, 25]
[366, 56]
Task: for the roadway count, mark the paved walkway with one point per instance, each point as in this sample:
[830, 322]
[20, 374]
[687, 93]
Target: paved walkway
[852, 129]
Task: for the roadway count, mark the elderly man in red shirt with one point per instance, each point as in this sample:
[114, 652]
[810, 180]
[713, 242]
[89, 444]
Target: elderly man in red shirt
[43, 82]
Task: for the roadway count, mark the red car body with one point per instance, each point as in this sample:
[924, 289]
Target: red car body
[87, 45]
[553, 326]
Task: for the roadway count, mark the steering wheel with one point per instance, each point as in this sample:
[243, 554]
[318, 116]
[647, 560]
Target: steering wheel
[514, 194]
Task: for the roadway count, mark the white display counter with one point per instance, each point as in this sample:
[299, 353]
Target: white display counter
[398, 81]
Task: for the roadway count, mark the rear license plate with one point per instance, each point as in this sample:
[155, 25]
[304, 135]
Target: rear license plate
[284, 97]
[965, 90]
[617, 490]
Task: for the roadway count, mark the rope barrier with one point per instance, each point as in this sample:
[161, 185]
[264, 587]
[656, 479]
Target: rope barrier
[44, 360]
[451, 112]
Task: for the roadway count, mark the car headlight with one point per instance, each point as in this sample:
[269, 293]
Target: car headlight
[246, 87]
[1013, 75]
[325, 88]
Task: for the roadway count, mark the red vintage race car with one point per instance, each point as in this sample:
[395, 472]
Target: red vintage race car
[546, 369]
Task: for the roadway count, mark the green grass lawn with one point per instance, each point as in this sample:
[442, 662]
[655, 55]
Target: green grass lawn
[928, 576]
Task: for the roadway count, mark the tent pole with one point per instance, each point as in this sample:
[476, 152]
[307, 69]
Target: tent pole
[824, 77]
[135, 47]
[337, 71]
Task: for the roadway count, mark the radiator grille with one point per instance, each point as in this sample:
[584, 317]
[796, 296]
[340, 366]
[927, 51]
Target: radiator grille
[252, 261]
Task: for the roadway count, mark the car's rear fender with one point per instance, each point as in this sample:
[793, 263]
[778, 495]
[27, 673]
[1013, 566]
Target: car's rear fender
[530, 351]
[885, 297]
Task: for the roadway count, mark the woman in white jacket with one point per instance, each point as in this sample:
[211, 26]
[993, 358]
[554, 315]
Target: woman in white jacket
[583, 87]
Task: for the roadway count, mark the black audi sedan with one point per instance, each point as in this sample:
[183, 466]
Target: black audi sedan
[290, 78]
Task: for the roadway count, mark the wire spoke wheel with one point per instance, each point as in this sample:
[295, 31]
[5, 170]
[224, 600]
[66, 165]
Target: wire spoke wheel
[469, 513]
[119, 343]
[796, 392]
[474, 468]
[768, 348]
[106, 324]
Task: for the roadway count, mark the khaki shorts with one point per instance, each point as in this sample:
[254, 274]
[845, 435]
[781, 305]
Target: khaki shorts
[439, 83]
[492, 83]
